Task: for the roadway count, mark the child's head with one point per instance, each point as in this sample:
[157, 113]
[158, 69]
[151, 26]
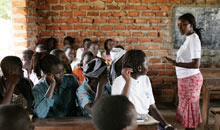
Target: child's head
[69, 51]
[114, 113]
[85, 43]
[137, 60]
[108, 45]
[40, 48]
[26, 58]
[93, 47]
[11, 65]
[51, 43]
[86, 57]
[60, 55]
[14, 117]
[69, 41]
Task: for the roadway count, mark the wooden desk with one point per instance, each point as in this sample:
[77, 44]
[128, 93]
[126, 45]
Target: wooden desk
[79, 123]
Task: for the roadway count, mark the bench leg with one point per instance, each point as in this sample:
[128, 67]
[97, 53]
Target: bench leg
[217, 122]
[205, 106]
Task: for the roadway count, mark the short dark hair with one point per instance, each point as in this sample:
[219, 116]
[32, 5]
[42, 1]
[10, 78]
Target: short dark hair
[106, 43]
[10, 63]
[54, 43]
[113, 113]
[13, 117]
[70, 39]
[56, 52]
[133, 59]
[29, 53]
[91, 43]
[86, 53]
[86, 40]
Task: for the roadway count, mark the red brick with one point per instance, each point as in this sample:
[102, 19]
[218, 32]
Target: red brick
[148, 1]
[154, 7]
[161, 1]
[57, 7]
[86, 20]
[20, 20]
[98, 7]
[73, 34]
[153, 47]
[127, 21]
[52, 1]
[174, 1]
[18, 4]
[85, 34]
[52, 13]
[70, 6]
[170, 79]
[134, 1]
[140, 20]
[165, 21]
[120, 0]
[162, 14]
[106, 27]
[139, 34]
[157, 79]
[66, 13]
[154, 20]
[59, 20]
[133, 27]
[100, 20]
[128, 7]
[85, 7]
[79, 27]
[127, 47]
[45, 34]
[159, 66]
[72, 20]
[59, 34]
[159, 40]
[98, 34]
[131, 40]
[65, 1]
[47, 21]
[148, 13]
[42, 27]
[133, 13]
[142, 40]
[20, 11]
[117, 14]
[93, 14]
[106, 14]
[140, 47]
[146, 28]
[79, 13]
[23, 44]
[111, 34]
[141, 7]
[119, 27]
[151, 72]
[160, 53]
[92, 27]
[111, 20]
[112, 7]
[152, 34]
[157, 28]
[43, 7]
[163, 47]
[23, 35]
[53, 27]
[125, 34]
[66, 27]
[165, 7]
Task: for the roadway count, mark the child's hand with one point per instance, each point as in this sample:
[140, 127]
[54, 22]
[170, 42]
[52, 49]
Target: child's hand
[126, 73]
[14, 79]
[170, 60]
[51, 78]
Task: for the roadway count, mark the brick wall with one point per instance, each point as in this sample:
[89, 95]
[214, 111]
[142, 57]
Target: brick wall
[138, 24]
[25, 27]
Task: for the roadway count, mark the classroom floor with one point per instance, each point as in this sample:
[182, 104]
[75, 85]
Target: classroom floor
[169, 112]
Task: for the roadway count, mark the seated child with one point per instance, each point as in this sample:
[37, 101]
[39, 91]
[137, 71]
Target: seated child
[108, 45]
[64, 60]
[50, 44]
[55, 95]
[68, 41]
[94, 48]
[14, 88]
[94, 86]
[78, 72]
[135, 84]
[69, 51]
[83, 48]
[14, 117]
[114, 113]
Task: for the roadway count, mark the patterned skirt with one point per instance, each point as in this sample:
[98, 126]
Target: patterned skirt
[188, 111]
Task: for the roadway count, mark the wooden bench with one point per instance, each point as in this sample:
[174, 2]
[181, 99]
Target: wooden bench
[211, 83]
[216, 112]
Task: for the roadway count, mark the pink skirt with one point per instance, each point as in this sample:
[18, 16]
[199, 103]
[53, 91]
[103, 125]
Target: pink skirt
[188, 111]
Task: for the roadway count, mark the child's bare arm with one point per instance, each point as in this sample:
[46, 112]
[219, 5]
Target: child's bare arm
[50, 77]
[126, 73]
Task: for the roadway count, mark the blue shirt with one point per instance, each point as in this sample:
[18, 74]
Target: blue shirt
[62, 104]
[86, 95]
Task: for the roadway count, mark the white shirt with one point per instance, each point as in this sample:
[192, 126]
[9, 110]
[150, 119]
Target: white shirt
[191, 49]
[140, 95]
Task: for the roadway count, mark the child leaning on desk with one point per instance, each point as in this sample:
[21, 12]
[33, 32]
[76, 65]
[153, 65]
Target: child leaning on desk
[135, 84]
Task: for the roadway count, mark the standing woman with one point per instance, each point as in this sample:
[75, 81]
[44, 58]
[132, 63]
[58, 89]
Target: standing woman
[188, 74]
